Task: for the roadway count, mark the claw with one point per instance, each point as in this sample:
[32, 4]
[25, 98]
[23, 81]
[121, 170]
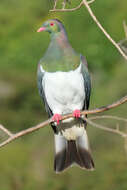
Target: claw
[56, 118]
[76, 113]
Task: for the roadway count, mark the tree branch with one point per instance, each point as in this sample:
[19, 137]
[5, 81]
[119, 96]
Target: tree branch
[55, 3]
[69, 10]
[89, 2]
[5, 131]
[116, 131]
[108, 117]
[86, 4]
[12, 137]
[103, 30]
[125, 28]
[108, 107]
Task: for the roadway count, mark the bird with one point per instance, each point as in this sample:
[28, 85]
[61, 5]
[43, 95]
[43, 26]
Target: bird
[65, 86]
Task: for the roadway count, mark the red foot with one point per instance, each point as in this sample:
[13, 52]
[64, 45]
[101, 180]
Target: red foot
[56, 118]
[76, 113]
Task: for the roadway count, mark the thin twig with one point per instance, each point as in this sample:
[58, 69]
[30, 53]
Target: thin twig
[63, 4]
[65, 10]
[108, 117]
[25, 132]
[110, 106]
[6, 131]
[86, 4]
[45, 123]
[89, 2]
[106, 128]
[55, 3]
[125, 28]
[103, 30]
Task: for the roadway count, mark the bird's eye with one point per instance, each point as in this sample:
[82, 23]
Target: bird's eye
[51, 24]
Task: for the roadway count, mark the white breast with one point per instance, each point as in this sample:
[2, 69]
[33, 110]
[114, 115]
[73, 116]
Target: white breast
[64, 91]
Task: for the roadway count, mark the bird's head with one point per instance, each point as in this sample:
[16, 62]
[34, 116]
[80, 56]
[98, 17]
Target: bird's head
[52, 26]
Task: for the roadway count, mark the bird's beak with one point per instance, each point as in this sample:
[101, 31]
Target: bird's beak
[41, 29]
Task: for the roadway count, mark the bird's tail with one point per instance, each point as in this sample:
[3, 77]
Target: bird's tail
[72, 151]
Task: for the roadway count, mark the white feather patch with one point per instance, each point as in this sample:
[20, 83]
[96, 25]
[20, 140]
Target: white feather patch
[60, 143]
[73, 133]
[83, 140]
[64, 91]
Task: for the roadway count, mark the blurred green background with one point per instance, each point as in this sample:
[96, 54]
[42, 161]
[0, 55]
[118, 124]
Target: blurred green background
[27, 163]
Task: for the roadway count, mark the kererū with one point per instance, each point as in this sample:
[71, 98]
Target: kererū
[64, 86]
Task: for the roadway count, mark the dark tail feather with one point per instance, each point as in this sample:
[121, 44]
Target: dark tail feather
[73, 153]
[59, 162]
[78, 155]
[60, 153]
[65, 157]
[86, 161]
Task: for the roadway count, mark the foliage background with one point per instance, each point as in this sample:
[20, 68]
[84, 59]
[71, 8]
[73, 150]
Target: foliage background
[28, 162]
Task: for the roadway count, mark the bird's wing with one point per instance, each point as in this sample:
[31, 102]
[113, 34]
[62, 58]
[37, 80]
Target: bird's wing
[41, 74]
[87, 81]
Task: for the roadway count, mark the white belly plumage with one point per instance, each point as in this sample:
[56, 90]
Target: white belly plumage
[64, 93]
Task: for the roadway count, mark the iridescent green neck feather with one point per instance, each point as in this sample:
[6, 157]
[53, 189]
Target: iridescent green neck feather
[60, 56]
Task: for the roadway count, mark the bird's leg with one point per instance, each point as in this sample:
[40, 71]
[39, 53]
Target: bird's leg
[76, 113]
[56, 118]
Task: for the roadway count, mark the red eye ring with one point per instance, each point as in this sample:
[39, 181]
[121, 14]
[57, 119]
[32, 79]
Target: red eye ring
[51, 24]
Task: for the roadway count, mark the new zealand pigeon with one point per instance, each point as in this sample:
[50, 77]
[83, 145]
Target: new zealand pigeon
[64, 86]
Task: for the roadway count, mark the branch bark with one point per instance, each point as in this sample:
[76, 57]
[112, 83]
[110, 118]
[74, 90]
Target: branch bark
[13, 137]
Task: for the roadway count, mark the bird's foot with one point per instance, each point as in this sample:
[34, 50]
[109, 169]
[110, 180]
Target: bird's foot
[76, 113]
[56, 118]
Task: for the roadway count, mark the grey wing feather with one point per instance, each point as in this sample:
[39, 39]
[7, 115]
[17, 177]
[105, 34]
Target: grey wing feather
[42, 94]
[87, 81]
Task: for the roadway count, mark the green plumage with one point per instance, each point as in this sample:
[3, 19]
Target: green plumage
[60, 56]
